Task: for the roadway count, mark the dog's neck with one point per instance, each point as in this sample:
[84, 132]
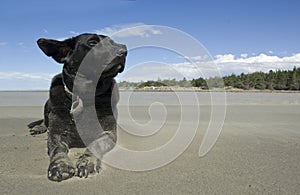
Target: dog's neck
[103, 86]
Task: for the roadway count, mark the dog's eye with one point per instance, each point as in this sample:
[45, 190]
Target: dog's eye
[93, 42]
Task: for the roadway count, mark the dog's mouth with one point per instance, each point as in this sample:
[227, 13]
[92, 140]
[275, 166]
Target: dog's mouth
[113, 71]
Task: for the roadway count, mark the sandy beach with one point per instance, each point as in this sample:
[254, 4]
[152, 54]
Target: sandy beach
[257, 152]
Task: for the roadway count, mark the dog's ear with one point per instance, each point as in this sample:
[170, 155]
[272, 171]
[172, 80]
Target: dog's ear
[58, 50]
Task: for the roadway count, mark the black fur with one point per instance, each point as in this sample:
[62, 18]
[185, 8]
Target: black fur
[59, 122]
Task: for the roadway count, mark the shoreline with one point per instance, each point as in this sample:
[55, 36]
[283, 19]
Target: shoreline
[208, 91]
[173, 90]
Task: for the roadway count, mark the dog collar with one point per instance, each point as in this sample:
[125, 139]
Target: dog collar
[68, 92]
[77, 105]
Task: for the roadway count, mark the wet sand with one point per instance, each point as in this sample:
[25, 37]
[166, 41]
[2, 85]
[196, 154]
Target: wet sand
[258, 152]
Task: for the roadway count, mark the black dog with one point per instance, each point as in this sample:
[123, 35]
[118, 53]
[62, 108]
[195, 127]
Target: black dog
[63, 116]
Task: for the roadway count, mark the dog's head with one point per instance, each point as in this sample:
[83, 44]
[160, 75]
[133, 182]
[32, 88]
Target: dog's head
[109, 57]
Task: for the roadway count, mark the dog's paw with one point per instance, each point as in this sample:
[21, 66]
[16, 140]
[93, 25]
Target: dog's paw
[38, 129]
[61, 169]
[86, 165]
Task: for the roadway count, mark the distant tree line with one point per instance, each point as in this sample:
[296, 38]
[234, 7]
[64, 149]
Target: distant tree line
[157, 83]
[273, 80]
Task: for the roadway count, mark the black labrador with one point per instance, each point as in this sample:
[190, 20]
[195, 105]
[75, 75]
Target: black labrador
[63, 115]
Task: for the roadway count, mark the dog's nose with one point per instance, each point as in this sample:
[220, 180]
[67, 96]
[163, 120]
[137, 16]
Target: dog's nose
[122, 52]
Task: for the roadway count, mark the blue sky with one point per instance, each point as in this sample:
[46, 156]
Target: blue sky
[245, 35]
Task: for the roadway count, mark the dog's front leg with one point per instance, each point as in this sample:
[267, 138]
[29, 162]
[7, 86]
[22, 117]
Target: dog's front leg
[61, 167]
[90, 161]
[98, 141]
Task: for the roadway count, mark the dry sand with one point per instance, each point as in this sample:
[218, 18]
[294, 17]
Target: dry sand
[258, 152]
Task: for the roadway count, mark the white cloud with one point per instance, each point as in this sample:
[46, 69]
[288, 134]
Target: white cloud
[3, 43]
[25, 76]
[122, 31]
[244, 55]
[224, 64]
[154, 70]
[196, 58]
[228, 63]
[74, 33]
[25, 81]
[224, 58]
[129, 30]
[292, 59]
[261, 58]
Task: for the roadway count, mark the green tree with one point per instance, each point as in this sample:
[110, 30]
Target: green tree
[246, 81]
[215, 82]
[270, 80]
[292, 80]
[184, 83]
[200, 82]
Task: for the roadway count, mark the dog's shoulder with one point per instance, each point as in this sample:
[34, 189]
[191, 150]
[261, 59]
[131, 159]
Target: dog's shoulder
[57, 80]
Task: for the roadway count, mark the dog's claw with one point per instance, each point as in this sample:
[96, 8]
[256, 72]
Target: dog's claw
[60, 170]
[86, 173]
[83, 172]
[87, 165]
[38, 129]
